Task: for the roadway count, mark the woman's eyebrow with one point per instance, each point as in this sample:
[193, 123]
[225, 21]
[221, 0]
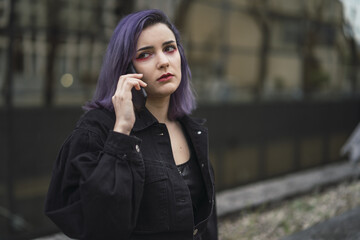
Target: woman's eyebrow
[151, 47]
[145, 48]
[168, 42]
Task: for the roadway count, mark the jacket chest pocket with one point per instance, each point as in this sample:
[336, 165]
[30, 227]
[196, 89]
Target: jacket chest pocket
[153, 213]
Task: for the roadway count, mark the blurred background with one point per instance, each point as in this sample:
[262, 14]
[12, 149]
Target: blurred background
[278, 81]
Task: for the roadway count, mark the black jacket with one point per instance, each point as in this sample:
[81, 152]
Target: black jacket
[107, 185]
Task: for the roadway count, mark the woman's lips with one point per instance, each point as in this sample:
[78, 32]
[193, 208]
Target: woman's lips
[165, 77]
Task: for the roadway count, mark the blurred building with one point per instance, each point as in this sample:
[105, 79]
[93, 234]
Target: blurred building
[239, 50]
[277, 79]
[57, 48]
[268, 49]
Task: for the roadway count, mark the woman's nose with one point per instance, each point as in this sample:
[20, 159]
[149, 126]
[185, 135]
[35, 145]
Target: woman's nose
[163, 61]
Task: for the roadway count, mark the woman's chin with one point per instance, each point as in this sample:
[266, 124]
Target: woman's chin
[164, 91]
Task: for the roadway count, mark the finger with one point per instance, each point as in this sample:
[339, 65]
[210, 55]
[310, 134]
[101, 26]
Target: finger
[124, 89]
[122, 78]
[120, 82]
[140, 84]
[134, 75]
[121, 85]
[129, 83]
[133, 82]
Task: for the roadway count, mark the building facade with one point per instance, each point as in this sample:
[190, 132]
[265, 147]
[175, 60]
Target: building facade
[239, 50]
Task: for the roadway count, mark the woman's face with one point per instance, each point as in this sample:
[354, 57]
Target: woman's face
[158, 59]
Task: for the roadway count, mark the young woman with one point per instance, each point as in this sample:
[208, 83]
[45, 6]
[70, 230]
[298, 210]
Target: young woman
[143, 174]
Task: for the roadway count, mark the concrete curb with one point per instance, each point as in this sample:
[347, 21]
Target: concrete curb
[342, 227]
[253, 195]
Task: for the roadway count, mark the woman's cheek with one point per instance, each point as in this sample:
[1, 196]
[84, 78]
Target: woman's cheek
[145, 78]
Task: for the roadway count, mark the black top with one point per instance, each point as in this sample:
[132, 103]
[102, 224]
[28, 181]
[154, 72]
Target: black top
[191, 173]
[107, 185]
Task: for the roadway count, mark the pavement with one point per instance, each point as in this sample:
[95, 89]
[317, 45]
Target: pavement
[343, 227]
[274, 190]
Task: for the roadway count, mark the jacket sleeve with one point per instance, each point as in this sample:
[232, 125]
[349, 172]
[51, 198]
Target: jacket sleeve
[96, 186]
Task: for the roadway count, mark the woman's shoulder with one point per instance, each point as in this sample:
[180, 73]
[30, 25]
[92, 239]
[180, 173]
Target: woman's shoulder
[99, 121]
[194, 122]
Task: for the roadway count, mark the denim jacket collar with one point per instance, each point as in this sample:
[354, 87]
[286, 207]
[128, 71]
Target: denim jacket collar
[145, 119]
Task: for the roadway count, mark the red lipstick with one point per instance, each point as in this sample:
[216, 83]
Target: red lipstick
[165, 77]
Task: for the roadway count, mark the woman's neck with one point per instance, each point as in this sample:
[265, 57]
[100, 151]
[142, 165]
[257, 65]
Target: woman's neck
[159, 107]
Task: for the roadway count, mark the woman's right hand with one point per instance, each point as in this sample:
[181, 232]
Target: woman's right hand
[122, 101]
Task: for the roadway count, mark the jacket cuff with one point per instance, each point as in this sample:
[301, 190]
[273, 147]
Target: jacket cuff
[119, 143]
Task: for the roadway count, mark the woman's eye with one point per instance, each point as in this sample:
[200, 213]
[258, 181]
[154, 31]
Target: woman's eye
[170, 48]
[143, 55]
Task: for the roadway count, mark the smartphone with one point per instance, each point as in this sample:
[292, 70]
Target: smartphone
[138, 96]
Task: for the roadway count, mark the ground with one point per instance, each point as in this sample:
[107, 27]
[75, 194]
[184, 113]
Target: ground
[290, 216]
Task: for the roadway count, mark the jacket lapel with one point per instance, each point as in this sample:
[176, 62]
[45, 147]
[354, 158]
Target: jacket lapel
[199, 138]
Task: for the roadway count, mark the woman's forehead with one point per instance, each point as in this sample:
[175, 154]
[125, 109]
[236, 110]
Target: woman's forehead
[155, 34]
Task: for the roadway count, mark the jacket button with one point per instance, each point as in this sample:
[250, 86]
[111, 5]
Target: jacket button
[202, 165]
[199, 132]
[137, 148]
[195, 231]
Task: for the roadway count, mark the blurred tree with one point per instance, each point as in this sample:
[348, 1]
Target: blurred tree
[353, 59]
[260, 11]
[8, 163]
[52, 32]
[57, 32]
[354, 62]
[9, 28]
[313, 19]
[181, 13]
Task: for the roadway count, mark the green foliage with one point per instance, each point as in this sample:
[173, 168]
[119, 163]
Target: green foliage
[318, 79]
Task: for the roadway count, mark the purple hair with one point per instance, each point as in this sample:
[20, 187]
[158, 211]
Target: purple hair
[119, 54]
